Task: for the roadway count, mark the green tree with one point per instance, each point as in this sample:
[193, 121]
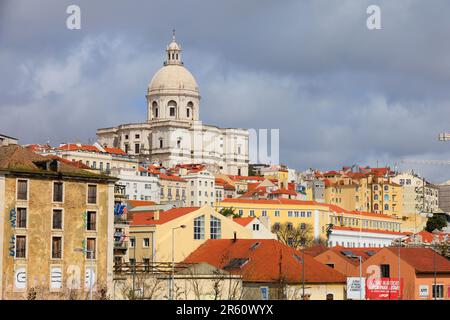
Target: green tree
[229, 212]
[294, 236]
[437, 221]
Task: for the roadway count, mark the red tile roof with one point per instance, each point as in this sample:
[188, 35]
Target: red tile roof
[114, 151]
[364, 253]
[78, 147]
[244, 221]
[164, 176]
[423, 260]
[284, 191]
[268, 261]
[140, 203]
[428, 237]
[148, 218]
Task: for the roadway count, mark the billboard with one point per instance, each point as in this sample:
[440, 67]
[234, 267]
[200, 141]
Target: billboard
[356, 288]
[383, 288]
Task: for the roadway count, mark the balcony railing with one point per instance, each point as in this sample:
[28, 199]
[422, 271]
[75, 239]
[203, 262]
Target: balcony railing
[120, 244]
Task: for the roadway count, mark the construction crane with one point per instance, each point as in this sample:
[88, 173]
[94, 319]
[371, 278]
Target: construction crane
[442, 137]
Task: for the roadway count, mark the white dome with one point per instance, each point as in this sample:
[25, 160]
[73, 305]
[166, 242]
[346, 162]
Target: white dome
[173, 77]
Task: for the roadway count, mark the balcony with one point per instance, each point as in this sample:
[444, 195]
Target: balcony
[120, 220]
[121, 245]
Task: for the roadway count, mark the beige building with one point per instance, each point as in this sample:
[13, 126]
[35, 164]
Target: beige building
[56, 228]
[151, 232]
[201, 187]
[6, 140]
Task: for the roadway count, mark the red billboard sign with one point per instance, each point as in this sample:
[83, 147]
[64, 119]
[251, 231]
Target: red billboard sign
[383, 288]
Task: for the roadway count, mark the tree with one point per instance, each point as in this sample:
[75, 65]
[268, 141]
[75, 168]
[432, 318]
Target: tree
[295, 237]
[438, 221]
[229, 212]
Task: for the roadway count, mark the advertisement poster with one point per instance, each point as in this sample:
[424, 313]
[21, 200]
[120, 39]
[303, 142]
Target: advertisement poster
[356, 288]
[383, 288]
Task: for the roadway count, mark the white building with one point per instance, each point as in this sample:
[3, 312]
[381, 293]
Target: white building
[259, 229]
[139, 184]
[173, 133]
[201, 188]
[341, 236]
[418, 195]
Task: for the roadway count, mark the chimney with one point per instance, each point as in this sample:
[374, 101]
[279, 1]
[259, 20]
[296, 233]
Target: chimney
[235, 237]
[156, 215]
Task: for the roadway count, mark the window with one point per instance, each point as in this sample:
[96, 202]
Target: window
[146, 242]
[137, 136]
[132, 242]
[199, 228]
[126, 147]
[330, 296]
[289, 226]
[91, 220]
[101, 166]
[385, 271]
[22, 190]
[375, 197]
[386, 207]
[308, 214]
[92, 194]
[136, 148]
[386, 188]
[264, 213]
[146, 262]
[438, 291]
[57, 219]
[386, 197]
[303, 226]
[94, 164]
[160, 143]
[290, 214]
[21, 218]
[216, 228]
[56, 247]
[188, 113]
[331, 265]
[21, 244]
[255, 227]
[90, 248]
[57, 192]
[252, 213]
[277, 213]
[375, 207]
[172, 112]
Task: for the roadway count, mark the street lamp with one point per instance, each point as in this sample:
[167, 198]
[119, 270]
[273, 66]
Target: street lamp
[91, 255]
[173, 261]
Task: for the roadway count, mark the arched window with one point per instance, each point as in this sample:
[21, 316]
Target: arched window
[375, 197]
[330, 296]
[375, 207]
[155, 109]
[172, 108]
[386, 197]
[160, 143]
[190, 110]
[386, 207]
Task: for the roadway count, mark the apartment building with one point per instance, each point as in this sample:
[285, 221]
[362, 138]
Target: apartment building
[56, 227]
[140, 184]
[338, 225]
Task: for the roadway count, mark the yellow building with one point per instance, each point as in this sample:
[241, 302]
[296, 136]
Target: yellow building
[373, 191]
[173, 188]
[151, 232]
[379, 228]
[56, 228]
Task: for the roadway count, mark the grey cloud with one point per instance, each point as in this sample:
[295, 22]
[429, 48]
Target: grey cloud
[338, 93]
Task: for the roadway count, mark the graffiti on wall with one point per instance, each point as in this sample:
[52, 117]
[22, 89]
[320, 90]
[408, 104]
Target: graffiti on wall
[13, 217]
[12, 246]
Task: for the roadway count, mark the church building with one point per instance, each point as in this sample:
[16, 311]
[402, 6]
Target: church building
[173, 133]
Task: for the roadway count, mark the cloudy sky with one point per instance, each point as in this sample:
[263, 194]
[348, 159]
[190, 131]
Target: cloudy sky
[339, 93]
